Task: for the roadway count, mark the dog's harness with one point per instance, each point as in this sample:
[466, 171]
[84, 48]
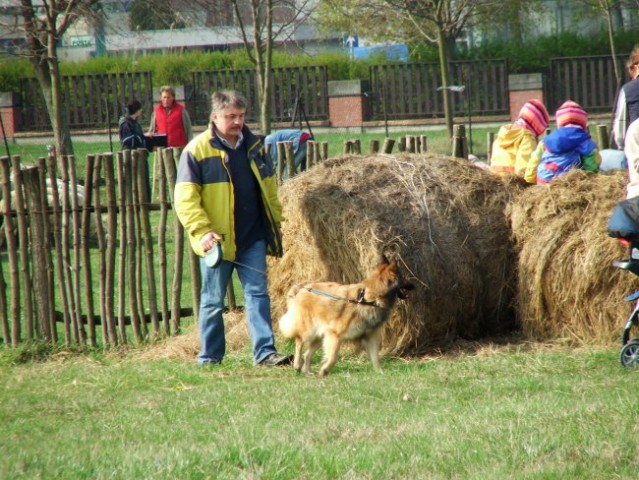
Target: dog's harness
[360, 297]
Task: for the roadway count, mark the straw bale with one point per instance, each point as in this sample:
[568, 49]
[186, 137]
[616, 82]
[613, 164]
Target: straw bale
[441, 218]
[568, 289]
[187, 345]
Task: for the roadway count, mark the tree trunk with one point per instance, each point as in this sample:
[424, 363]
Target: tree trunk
[263, 56]
[613, 52]
[57, 113]
[48, 73]
[443, 65]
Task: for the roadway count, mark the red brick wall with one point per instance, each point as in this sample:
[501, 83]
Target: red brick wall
[346, 111]
[518, 98]
[8, 121]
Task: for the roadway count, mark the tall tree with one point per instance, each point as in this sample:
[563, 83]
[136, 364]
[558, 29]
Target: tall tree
[261, 24]
[155, 15]
[44, 22]
[437, 22]
[611, 10]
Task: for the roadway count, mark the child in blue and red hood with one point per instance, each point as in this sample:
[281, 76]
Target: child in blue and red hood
[570, 146]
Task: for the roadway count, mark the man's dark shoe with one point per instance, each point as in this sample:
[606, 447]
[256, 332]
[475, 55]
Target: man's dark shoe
[209, 363]
[276, 360]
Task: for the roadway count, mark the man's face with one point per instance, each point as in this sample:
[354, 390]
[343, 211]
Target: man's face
[167, 100]
[229, 122]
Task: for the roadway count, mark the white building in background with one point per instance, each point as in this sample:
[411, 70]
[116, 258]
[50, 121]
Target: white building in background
[112, 33]
[213, 29]
[553, 17]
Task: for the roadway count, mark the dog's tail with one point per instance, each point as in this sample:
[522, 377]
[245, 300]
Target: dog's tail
[286, 325]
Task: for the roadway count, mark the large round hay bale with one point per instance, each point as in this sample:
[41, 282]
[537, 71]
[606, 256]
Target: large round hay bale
[441, 218]
[568, 288]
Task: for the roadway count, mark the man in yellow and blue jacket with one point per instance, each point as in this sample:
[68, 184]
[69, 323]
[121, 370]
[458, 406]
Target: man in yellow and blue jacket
[226, 193]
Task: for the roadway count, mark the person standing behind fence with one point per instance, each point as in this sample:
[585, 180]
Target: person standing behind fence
[627, 107]
[226, 193]
[298, 138]
[568, 147]
[172, 119]
[132, 136]
[516, 142]
[131, 133]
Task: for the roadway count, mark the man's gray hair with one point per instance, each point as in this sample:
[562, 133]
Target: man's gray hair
[226, 98]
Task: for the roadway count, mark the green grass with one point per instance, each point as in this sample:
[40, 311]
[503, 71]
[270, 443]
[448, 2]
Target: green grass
[438, 142]
[525, 414]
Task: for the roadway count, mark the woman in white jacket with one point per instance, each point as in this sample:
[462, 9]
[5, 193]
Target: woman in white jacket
[631, 150]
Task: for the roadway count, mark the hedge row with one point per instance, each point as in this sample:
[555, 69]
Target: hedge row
[532, 56]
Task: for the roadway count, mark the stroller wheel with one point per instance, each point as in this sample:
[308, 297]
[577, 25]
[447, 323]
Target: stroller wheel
[630, 354]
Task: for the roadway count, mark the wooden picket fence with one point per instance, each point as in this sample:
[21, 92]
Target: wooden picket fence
[53, 238]
[56, 228]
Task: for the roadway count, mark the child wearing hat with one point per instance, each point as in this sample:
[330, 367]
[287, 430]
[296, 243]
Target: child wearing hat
[570, 146]
[516, 142]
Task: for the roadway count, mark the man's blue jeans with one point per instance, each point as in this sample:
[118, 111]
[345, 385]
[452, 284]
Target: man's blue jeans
[251, 269]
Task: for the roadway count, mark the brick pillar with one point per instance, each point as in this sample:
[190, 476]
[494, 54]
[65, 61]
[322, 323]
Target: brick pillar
[347, 103]
[524, 87]
[9, 110]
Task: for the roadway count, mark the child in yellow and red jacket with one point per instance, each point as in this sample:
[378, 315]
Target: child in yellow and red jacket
[570, 146]
[516, 142]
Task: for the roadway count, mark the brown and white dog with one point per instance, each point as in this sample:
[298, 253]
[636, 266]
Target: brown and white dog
[328, 313]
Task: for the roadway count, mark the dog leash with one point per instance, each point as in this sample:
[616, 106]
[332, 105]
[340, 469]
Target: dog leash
[246, 266]
[360, 297]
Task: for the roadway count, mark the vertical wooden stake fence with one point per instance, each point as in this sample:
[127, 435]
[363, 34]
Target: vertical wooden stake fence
[33, 193]
[170, 171]
[23, 236]
[101, 239]
[44, 207]
[84, 243]
[162, 255]
[109, 277]
[12, 248]
[60, 263]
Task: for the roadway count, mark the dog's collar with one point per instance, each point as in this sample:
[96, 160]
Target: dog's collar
[360, 297]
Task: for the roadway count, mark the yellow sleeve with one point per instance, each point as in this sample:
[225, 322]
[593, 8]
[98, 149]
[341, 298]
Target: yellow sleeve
[524, 152]
[270, 187]
[188, 208]
[531, 169]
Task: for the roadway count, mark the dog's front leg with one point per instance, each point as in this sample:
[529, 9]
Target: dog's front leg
[313, 345]
[371, 344]
[297, 362]
[331, 347]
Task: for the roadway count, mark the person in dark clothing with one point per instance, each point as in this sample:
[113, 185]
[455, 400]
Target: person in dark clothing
[627, 108]
[132, 136]
[131, 133]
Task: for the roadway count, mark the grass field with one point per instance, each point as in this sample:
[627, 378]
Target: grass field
[479, 411]
[486, 412]
[438, 142]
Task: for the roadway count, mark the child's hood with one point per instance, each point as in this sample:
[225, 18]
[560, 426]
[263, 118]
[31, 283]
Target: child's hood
[511, 135]
[566, 139]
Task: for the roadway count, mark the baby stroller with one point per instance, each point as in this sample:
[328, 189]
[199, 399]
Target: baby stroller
[624, 225]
